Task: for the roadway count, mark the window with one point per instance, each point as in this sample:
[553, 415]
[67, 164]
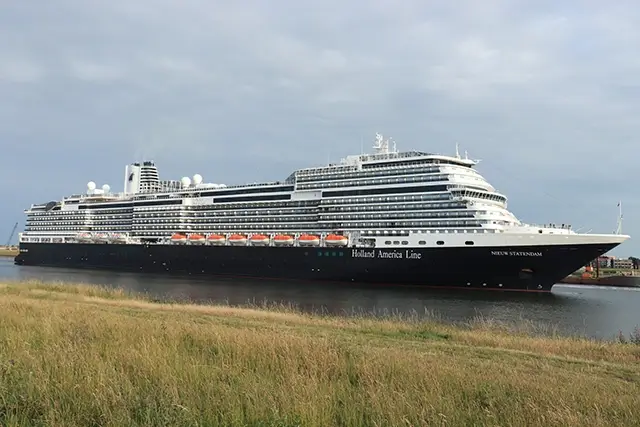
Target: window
[469, 243]
[440, 242]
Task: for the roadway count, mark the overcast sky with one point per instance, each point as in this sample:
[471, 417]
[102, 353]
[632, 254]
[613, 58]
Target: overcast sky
[546, 93]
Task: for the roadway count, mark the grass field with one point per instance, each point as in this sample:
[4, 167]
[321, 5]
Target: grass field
[74, 355]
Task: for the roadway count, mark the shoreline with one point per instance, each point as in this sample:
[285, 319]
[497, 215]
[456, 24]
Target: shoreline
[93, 355]
[614, 281]
[4, 252]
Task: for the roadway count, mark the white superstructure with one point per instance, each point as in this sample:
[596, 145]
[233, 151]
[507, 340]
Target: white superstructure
[387, 199]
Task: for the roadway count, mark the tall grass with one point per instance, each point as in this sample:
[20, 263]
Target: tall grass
[83, 356]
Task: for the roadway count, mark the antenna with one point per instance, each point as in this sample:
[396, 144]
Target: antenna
[619, 229]
[380, 145]
[457, 151]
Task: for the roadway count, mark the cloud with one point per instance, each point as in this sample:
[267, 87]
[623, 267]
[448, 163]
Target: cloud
[546, 93]
[19, 71]
[95, 72]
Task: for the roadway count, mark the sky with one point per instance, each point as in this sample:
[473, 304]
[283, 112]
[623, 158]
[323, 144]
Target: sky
[545, 93]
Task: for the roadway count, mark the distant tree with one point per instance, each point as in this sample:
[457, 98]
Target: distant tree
[636, 262]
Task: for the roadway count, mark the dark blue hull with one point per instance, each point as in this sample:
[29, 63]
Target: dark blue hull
[517, 268]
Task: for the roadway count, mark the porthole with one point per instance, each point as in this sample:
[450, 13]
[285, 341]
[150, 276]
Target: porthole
[440, 242]
[469, 242]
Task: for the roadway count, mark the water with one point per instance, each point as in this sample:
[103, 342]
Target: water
[591, 311]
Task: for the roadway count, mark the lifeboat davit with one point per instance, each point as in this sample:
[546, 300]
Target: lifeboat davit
[102, 237]
[237, 239]
[196, 238]
[216, 239]
[283, 240]
[308, 240]
[178, 238]
[84, 237]
[119, 237]
[259, 239]
[336, 240]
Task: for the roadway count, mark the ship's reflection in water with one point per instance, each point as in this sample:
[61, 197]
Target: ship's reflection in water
[595, 312]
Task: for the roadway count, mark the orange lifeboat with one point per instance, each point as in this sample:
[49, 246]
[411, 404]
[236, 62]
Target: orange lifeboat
[119, 237]
[336, 240]
[216, 239]
[103, 237]
[84, 237]
[237, 239]
[283, 240]
[196, 238]
[178, 238]
[308, 240]
[259, 239]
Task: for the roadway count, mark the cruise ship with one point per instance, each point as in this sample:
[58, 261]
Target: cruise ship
[388, 218]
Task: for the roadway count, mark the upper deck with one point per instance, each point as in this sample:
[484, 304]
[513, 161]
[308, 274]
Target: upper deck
[142, 182]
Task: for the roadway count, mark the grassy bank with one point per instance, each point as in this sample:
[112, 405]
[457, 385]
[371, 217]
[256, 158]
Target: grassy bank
[8, 252]
[79, 355]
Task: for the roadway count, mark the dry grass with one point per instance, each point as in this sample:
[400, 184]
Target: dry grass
[82, 356]
[9, 252]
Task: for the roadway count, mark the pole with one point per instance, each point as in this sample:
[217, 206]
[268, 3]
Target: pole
[619, 229]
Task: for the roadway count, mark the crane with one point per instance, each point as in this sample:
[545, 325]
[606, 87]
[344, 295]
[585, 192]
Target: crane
[11, 235]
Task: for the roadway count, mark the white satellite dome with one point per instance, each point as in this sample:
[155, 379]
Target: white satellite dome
[185, 181]
[91, 186]
[106, 188]
[197, 179]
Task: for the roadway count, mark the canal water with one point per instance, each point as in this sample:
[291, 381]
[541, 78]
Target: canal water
[595, 312]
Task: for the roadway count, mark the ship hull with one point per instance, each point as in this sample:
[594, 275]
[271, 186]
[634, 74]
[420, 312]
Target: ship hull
[519, 268]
